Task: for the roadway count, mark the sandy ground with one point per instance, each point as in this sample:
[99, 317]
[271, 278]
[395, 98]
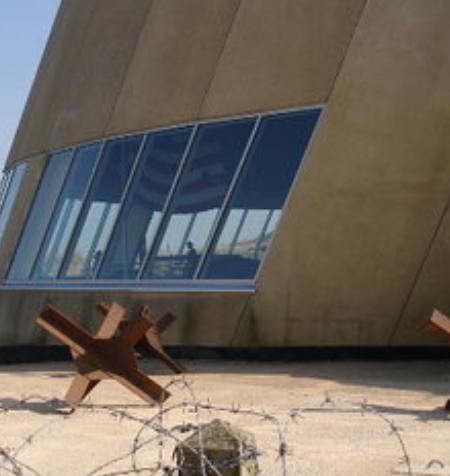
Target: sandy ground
[327, 418]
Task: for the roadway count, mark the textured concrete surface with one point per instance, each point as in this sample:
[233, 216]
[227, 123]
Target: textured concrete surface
[140, 64]
[173, 64]
[212, 318]
[281, 54]
[361, 255]
[328, 418]
[88, 98]
[372, 192]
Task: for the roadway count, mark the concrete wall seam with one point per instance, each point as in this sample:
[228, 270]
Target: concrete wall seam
[219, 57]
[126, 71]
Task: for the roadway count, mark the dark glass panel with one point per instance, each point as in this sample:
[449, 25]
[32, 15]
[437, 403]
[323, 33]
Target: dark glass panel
[4, 184]
[101, 207]
[259, 195]
[39, 216]
[66, 213]
[142, 211]
[209, 170]
[10, 194]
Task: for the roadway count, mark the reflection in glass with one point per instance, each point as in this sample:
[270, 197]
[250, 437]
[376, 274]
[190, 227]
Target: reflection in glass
[141, 213]
[187, 203]
[101, 207]
[4, 184]
[40, 215]
[259, 196]
[66, 212]
[9, 194]
[210, 168]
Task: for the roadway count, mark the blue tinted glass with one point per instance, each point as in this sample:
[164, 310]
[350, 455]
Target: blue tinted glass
[259, 195]
[142, 211]
[204, 183]
[10, 195]
[66, 212]
[4, 184]
[40, 215]
[101, 207]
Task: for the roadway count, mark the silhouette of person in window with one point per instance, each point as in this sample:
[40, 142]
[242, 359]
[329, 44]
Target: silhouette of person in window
[191, 260]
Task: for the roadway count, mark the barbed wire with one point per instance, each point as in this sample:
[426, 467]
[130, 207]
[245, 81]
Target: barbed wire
[171, 425]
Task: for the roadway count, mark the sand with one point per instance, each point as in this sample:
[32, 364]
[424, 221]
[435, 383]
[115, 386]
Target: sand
[309, 418]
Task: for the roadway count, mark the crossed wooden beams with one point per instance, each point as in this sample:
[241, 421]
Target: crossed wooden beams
[111, 352]
[439, 324]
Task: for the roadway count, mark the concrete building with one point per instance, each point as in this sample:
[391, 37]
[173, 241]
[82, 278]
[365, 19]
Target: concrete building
[275, 173]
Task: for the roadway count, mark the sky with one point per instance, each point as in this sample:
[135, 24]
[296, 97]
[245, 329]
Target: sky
[24, 29]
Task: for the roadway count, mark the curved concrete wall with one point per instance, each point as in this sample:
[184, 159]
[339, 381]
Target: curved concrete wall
[356, 259]
[362, 252]
[139, 64]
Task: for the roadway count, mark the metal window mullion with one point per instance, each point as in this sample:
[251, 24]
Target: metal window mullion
[11, 196]
[167, 207]
[6, 180]
[123, 199]
[187, 232]
[59, 235]
[165, 286]
[7, 189]
[82, 215]
[97, 235]
[238, 231]
[6, 183]
[58, 198]
[213, 236]
[277, 112]
[24, 226]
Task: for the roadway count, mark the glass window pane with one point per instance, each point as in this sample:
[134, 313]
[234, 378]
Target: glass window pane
[10, 194]
[259, 195]
[141, 213]
[101, 207]
[204, 183]
[66, 212]
[40, 215]
[4, 184]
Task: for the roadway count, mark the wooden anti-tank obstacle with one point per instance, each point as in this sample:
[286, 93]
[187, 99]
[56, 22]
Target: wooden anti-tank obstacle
[111, 352]
[439, 324]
